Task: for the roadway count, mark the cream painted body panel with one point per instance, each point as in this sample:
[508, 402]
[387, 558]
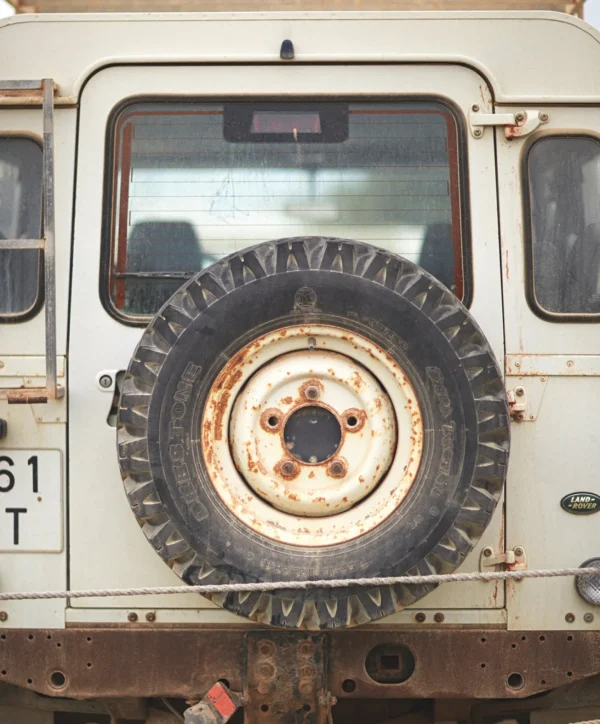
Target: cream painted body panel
[558, 453]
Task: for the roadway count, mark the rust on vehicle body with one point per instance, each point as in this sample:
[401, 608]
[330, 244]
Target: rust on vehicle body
[147, 661]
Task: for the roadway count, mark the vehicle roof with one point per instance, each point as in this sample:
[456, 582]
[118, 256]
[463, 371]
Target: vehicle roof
[525, 56]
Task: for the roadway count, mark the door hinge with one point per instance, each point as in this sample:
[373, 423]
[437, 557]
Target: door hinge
[513, 560]
[516, 125]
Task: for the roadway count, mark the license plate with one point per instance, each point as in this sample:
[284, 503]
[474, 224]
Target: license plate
[30, 501]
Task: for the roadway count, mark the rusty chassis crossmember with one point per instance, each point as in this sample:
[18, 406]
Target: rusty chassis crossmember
[268, 666]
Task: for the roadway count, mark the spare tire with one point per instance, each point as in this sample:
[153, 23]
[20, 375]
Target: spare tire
[313, 408]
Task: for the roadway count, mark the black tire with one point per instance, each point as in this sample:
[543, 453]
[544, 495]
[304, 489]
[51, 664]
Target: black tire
[420, 324]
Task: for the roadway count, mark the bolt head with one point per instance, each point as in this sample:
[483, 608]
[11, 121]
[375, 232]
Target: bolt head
[519, 392]
[337, 468]
[150, 616]
[487, 552]
[570, 618]
[288, 468]
[475, 108]
[3, 616]
[477, 132]
[105, 381]
[132, 616]
[519, 117]
[588, 617]
[439, 618]
[420, 617]
[519, 551]
[312, 392]
[543, 117]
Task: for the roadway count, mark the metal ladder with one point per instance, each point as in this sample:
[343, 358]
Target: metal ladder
[52, 390]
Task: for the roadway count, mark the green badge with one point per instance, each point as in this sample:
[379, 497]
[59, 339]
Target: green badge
[580, 503]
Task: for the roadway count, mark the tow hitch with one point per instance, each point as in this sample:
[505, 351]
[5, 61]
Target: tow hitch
[284, 682]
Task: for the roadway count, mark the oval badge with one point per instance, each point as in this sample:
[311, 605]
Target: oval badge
[581, 503]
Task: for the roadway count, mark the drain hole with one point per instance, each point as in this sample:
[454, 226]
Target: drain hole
[390, 664]
[57, 679]
[516, 681]
[349, 685]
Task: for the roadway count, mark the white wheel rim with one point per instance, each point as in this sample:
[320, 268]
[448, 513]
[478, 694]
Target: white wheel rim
[293, 498]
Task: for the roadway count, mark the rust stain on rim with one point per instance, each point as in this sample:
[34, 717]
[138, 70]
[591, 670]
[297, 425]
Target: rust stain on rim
[259, 514]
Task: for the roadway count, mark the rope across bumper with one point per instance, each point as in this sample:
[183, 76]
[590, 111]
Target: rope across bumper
[266, 587]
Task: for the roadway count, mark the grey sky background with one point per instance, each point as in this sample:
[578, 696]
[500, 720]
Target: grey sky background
[592, 11]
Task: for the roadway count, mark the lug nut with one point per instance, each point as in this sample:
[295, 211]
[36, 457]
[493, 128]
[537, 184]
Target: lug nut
[311, 389]
[288, 469]
[337, 468]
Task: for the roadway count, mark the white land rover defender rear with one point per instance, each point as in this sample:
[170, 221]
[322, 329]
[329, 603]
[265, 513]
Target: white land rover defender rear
[278, 291]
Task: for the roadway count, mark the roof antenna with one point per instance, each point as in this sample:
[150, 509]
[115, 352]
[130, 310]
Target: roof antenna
[287, 50]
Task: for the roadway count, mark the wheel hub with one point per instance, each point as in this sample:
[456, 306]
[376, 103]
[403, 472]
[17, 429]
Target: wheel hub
[313, 433]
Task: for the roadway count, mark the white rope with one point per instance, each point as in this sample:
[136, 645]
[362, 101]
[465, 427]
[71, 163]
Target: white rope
[591, 721]
[303, 585]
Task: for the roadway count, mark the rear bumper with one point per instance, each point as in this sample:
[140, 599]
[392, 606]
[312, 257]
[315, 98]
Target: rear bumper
[185, 662]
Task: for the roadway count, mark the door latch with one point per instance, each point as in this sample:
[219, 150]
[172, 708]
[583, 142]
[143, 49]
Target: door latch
[517, 403]
[513, 560]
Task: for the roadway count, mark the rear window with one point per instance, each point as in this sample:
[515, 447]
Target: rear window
[20, 218]
[195, 182]
[564, 250]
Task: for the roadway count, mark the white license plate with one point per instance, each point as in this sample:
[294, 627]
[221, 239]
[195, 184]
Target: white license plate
[30, 501]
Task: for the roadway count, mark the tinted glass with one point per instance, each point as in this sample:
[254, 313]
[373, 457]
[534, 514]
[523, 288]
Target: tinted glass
[20, 218]
[196, 182]
[564, 183]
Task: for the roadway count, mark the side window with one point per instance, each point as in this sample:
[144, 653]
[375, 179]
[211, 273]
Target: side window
[20, 218]
[564, 203]
[194, 182]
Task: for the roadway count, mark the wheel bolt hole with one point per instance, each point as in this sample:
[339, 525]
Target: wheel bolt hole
[351, 421]
[273, 421]
[312, 393]
[349, 686]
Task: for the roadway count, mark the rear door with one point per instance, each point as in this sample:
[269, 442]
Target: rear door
[167, 183]
[551, 270]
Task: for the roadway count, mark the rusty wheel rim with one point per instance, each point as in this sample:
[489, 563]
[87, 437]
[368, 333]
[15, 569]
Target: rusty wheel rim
[294, 388]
